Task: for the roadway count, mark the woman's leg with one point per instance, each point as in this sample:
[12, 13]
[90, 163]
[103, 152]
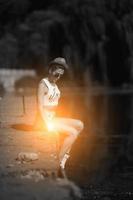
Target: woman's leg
[72, 127]
[76, 123]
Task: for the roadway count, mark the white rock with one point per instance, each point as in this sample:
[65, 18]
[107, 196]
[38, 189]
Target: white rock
[27, 156]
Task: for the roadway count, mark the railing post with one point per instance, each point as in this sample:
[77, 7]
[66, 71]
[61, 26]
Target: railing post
[23, 102]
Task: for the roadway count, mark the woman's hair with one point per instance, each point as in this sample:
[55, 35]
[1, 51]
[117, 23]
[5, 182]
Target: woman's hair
[54, 67]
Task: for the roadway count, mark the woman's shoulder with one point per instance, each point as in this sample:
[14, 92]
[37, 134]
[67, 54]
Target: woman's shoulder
[44, 79]
[43, 82]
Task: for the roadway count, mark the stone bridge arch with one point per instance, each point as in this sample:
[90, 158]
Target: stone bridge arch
[8, 77]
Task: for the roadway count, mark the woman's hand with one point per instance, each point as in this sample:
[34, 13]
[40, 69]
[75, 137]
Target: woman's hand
[48, 115]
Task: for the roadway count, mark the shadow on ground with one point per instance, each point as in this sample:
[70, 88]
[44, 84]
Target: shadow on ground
[26, 127]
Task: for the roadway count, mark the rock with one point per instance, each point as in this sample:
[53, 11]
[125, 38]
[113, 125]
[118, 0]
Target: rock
[10, 165]
[27, 156]
[33, 174]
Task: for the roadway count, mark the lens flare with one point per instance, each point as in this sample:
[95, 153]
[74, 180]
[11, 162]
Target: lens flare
[50, 126]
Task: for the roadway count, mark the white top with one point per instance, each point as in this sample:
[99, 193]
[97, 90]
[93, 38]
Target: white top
[51, 98]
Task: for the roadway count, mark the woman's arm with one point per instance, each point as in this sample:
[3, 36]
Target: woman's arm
[47, 112]
[42, 91]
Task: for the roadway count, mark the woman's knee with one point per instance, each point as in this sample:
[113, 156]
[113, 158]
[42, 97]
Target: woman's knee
[80, 126]
[74, 133]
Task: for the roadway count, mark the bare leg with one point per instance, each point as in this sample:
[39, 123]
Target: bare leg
[75, 123]
[72, 127]
[72, 135]
[67, 145]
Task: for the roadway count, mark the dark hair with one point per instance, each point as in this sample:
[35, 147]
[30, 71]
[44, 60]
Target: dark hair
[55, 66]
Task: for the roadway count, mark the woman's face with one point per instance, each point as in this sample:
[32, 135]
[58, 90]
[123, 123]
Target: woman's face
[56, 74]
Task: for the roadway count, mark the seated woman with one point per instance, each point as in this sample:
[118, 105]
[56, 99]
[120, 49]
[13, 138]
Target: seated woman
[48, 97]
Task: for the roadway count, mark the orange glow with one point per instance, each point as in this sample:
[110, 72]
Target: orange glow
[50, 126]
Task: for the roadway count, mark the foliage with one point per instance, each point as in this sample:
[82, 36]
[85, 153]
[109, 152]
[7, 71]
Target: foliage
[84, 32]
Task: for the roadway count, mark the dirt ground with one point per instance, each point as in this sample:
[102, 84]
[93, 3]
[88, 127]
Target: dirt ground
[35, 178]
[38, 178]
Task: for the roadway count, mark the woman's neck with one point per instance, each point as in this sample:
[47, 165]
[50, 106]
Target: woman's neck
[51, 81]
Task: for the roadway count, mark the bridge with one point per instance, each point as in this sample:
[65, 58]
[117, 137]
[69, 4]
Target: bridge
[8, 77]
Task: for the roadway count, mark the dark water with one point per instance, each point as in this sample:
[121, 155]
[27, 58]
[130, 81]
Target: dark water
[101, 163]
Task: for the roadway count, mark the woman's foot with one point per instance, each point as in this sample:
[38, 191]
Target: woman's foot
[63, 161]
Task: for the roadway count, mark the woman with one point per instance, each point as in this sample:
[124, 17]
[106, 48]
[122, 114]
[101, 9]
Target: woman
[48, 97]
